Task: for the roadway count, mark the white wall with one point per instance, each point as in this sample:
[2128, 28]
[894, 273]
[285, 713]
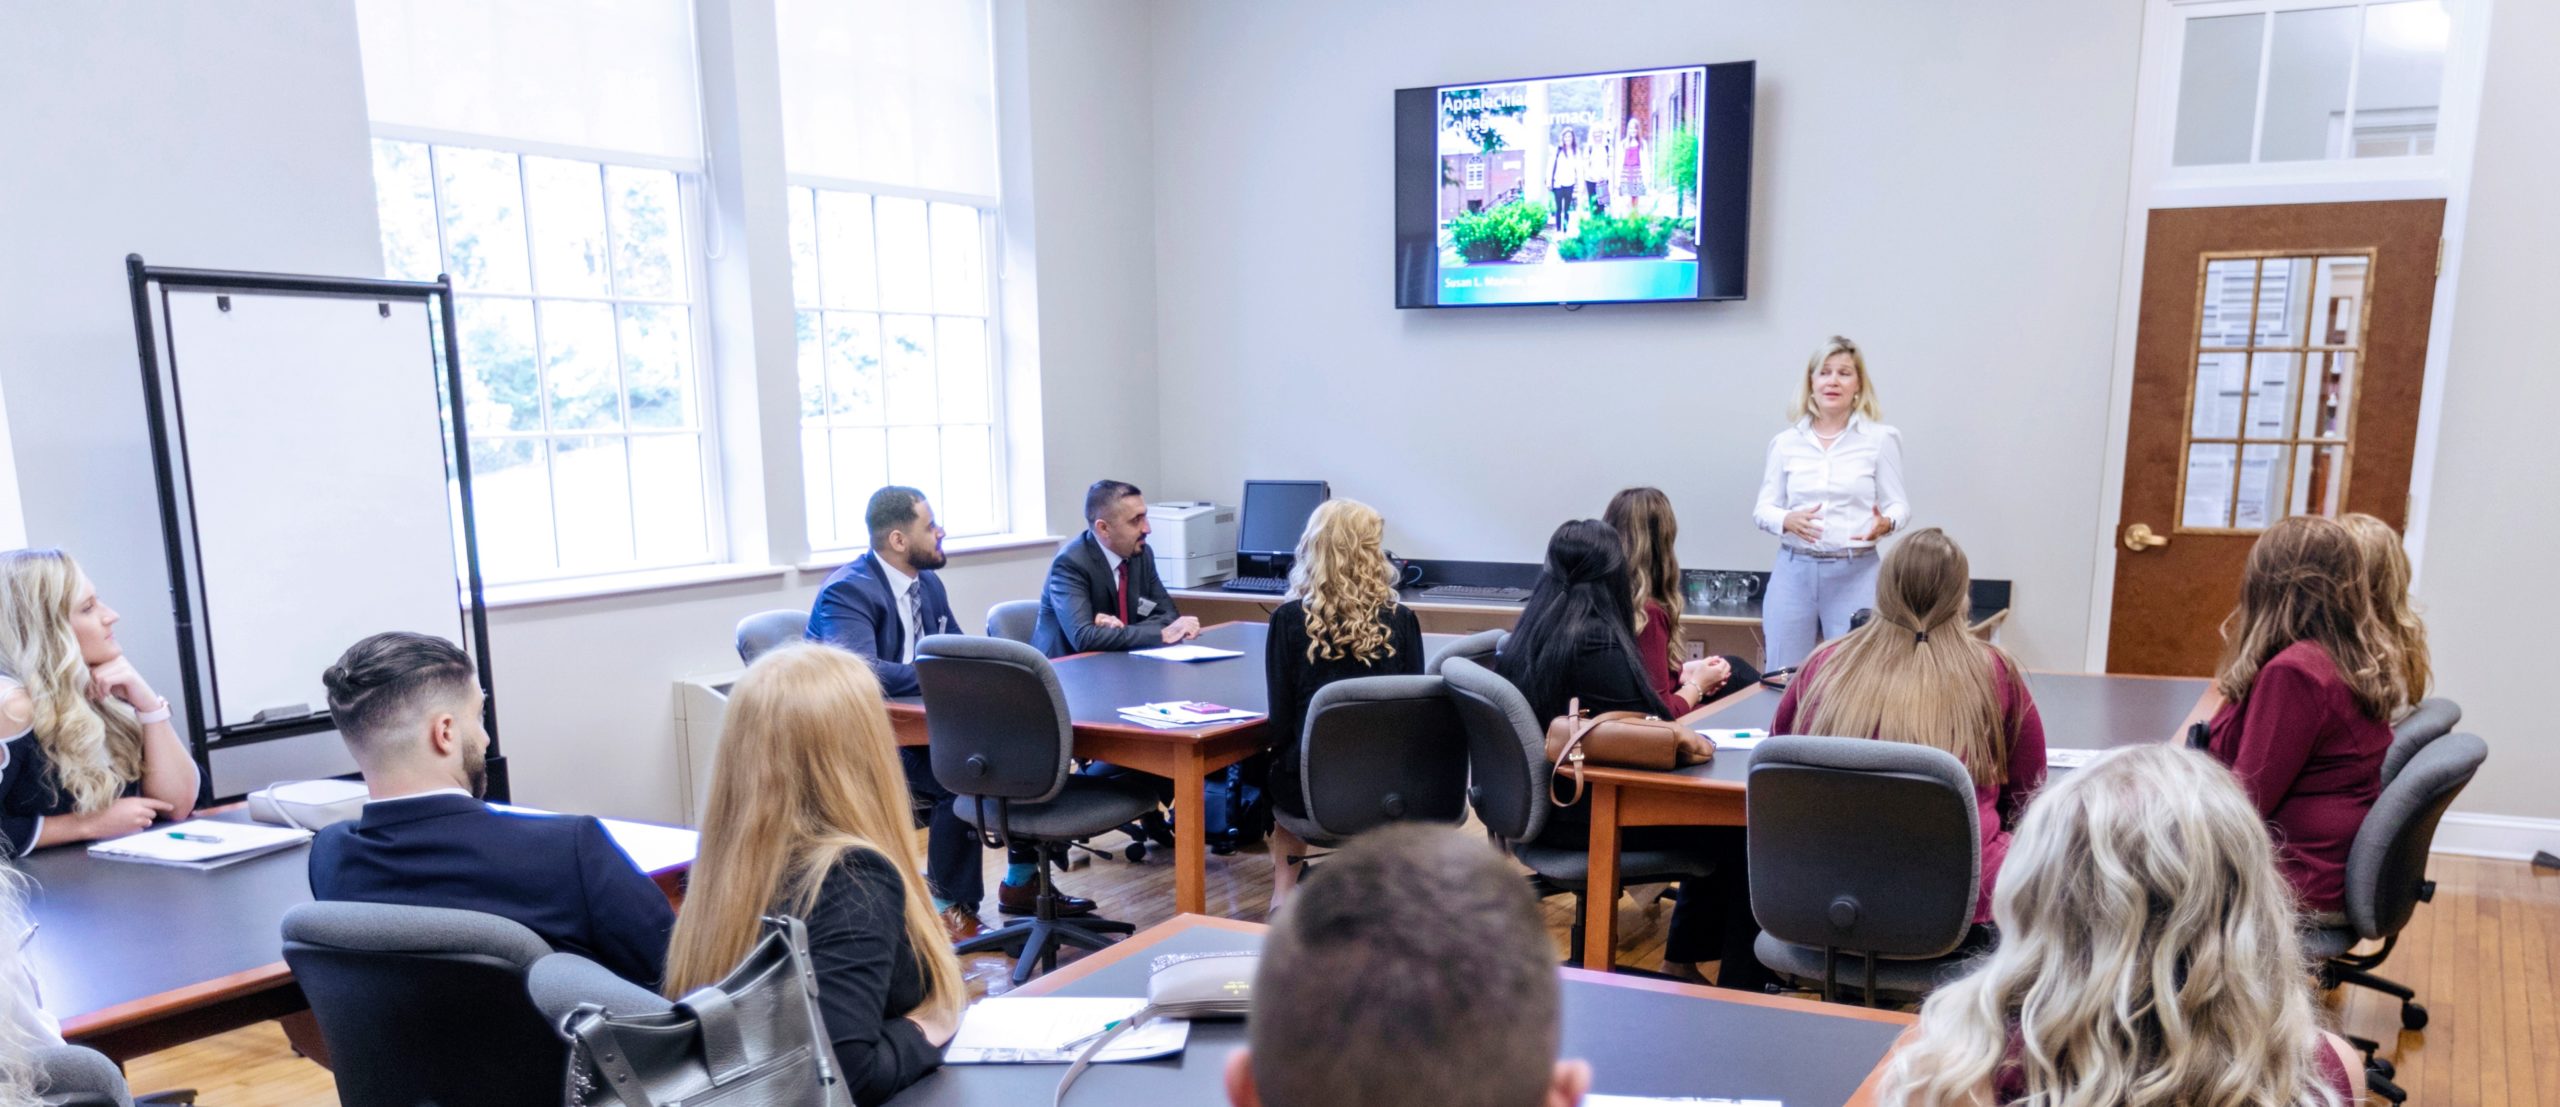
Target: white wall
[220, 136]
[1944, 183]
[2490, 527]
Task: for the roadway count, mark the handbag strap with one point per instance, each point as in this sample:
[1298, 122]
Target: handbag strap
[595, 1037]
[724, 1046]
[795, 935]
[1577, 726]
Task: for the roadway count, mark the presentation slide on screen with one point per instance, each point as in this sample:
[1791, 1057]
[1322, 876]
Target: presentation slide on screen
[1572, 189]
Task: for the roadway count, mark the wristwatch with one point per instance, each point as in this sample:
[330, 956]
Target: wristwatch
[158, 714]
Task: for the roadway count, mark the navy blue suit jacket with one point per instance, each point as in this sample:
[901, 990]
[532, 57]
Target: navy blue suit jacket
[856, 611]
[561, 876]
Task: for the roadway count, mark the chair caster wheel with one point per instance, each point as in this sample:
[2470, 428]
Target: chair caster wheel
[2413, 1016]
[1135, 853]
[2382, 1067]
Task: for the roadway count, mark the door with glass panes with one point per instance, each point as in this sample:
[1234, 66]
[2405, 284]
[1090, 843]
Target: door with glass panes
[2277, 371]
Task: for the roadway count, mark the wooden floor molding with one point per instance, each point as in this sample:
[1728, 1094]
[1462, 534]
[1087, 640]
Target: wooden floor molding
[2484, 957]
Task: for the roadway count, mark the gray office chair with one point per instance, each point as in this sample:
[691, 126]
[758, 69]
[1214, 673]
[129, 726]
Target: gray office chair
[1013, 620]
[2432, 718]
[560, 982]
[77, 1076]
[1378, 750]
[766, 629]
[1863, 851]
[1478, 647]
[1000, 736]
[2387, 880]
[1508, 773]
[424, 1004]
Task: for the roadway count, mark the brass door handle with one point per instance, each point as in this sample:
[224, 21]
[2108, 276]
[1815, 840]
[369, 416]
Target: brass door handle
[2138, 538]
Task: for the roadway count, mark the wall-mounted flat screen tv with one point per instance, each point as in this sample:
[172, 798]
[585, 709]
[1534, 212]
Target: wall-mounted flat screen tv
[1587, 189]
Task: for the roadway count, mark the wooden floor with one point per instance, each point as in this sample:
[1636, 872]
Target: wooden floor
[2484, 957]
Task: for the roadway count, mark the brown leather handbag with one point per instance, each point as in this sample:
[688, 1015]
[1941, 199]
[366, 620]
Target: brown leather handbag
[1624, 739]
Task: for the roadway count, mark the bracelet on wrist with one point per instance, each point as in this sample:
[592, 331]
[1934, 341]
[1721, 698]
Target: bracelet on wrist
[158, 714]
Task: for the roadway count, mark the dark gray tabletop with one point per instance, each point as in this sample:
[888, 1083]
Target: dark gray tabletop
[1639, 1042]
[1098, 685]
[2080, 711]
[114, 932]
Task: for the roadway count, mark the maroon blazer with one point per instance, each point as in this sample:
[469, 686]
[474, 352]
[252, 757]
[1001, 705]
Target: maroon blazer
[2311, 760]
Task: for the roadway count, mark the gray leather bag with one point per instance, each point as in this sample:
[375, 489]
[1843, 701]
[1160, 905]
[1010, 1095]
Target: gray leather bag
[755, 1039]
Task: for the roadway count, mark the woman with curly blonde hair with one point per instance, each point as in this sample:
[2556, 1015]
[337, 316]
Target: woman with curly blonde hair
[90, 753]
[1342, 620]
[2147, 958]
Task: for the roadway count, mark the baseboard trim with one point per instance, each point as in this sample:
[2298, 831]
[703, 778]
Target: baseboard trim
[2505, 837]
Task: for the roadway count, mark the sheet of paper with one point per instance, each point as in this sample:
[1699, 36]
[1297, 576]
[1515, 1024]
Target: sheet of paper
[200, 842]
[1734, 739]
[1188, 651]
[1189, 712]
[2069, 759]
[1153, 722]
[1051, 1030]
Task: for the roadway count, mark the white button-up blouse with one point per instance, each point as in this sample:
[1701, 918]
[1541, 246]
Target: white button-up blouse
[1858, 477]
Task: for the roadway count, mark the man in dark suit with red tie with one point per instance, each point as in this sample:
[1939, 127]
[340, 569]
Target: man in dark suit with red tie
[1103, 592]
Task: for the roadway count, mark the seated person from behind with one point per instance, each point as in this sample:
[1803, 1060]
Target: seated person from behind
[2124, 875]
[409, 706]
[90, 753]
[1342, 620]
[878, 606]
[1915, 673]
[808, 818]
[1412, 969]
[1103, 592]
[1642, 517]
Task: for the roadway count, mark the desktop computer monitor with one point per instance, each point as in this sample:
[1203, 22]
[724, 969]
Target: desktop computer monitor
[1275, 514]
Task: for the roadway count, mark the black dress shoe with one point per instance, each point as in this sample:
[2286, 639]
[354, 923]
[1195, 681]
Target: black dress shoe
[1023, 899]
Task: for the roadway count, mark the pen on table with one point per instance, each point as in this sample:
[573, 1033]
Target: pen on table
[1080, 1043]
[183, 836]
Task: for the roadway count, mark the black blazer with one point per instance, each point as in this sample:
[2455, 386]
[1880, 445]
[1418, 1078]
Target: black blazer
[560, 875]
[856, 611]
[1292, 682]
[868, 977]
[1082, 584]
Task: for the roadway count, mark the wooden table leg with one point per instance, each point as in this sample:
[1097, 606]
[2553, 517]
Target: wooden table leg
[303, 1031]
[1600, 894]
[1191, 833]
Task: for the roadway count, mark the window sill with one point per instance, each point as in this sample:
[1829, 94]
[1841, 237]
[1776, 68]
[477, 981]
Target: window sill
[501, 597]
[828, 561]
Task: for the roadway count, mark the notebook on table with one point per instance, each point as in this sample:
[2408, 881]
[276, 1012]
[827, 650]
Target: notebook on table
[200, 843]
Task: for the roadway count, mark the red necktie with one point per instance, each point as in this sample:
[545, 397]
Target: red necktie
[1124, 592]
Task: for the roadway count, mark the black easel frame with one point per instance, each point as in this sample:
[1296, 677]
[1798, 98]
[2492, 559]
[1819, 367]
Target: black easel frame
[165, 410]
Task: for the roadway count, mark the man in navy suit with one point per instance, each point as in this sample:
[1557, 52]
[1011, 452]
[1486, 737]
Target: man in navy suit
[409, 707]
[879, 605]
[1103, 592]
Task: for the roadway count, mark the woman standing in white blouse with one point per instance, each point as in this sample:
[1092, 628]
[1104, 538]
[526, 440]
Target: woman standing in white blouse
[1831, 490]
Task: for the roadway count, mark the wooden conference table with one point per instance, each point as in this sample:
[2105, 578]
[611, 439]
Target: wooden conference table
[2080, 711]
[135, 958]
[1643, 1037]
[1098, 685]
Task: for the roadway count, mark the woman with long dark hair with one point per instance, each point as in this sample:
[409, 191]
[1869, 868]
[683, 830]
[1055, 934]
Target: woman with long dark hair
[1643, 520]
[1575, 646]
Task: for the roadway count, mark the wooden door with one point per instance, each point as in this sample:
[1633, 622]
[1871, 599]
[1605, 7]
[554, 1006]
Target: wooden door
[2276, 372]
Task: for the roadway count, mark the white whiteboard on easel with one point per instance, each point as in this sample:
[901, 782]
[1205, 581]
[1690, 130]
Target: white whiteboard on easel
[315, 460]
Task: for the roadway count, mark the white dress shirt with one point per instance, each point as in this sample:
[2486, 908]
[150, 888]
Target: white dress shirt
[902, 596]
[1857, 478]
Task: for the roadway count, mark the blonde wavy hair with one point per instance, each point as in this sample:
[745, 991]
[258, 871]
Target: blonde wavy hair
[807, 770]
[2147, 956]
[2391, 613]
[95, 745]
[2305, 581]
[1865, 404]
[1344, 581]
[1916, 673]
[18, 1040]
[1645, 524]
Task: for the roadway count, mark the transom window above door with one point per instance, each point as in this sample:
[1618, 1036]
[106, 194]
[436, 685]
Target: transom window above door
[2270, 424]
[2302, 80]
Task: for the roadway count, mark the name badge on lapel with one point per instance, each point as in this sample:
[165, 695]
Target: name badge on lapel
[1146, 607]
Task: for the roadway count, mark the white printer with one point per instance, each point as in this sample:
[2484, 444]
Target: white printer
[1194, 542]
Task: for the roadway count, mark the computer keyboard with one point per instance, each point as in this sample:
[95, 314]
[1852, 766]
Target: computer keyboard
[1271, 586]
[1474, 592]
